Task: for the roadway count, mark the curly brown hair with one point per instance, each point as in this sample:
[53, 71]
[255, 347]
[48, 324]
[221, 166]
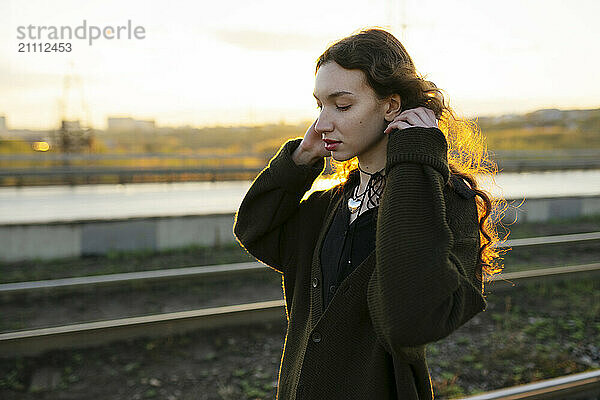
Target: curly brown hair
[390, 70]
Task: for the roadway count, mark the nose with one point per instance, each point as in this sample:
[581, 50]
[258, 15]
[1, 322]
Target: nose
[323, 125]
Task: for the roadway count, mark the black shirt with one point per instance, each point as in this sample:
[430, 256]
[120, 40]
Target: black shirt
[346, 245]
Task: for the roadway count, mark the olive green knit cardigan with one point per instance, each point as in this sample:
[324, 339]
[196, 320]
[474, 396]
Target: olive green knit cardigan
[417, 286]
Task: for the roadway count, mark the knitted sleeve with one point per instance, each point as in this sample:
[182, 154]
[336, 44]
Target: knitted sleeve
[264, 222]
[418, 292]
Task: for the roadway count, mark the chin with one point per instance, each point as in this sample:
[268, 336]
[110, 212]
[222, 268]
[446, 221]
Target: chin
[339, 157]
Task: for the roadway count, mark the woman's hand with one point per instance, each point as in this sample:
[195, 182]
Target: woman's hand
[420, 116]
[311, 148]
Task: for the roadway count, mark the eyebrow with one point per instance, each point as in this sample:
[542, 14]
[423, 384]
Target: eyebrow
[335, 94]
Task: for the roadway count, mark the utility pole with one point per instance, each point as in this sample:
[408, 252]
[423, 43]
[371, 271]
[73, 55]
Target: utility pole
[74, 134]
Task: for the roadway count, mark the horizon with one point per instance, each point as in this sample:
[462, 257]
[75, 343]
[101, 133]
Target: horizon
[9, 128]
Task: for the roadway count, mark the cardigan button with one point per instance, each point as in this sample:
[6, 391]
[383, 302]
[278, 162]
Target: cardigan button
[316, 337]
[315, 282]
[332, 289]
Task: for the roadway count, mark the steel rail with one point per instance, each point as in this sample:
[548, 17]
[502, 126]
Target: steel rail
[129, 277]
[36, 341]
[221, 270]
[510, 280]
[564, 387]
[552, 239]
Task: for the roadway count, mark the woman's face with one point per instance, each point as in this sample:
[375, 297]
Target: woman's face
[350, 113]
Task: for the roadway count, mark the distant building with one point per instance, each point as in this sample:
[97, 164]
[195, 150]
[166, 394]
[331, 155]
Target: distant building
[2, 124]
[129, 124]
[71, 125]
[121, 124]
[144, 125]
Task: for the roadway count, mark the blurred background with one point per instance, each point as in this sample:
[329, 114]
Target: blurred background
[123, 160]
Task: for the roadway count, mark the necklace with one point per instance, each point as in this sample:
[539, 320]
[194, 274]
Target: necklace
[356, 200]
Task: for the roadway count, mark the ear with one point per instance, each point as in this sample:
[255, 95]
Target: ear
[392, 107]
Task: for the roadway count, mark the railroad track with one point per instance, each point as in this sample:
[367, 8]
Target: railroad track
[210, 271]
[162, 275]
[583, 386]
[37, 341]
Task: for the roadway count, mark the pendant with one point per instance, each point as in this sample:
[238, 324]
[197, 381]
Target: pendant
[354, 205]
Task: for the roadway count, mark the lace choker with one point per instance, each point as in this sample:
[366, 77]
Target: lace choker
[372, 193]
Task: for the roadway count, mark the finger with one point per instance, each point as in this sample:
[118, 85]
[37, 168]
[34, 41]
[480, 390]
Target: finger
[424, 116]
[411, 118]
[418, 111]
[427, 116]
[415, 112]
[403, 125]
[430, 112]
[405, 112]
[391, 126]
[397, 125]
[433, 118]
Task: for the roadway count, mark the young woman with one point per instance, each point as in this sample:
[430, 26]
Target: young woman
[390, 259]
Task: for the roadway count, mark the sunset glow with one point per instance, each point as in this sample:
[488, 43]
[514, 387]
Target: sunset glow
[230, 63]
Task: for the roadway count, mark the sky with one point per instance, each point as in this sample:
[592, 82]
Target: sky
[236, 62]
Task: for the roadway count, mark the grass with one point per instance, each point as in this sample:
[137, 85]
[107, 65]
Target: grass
[121, 262]
[555, 226]
[554, 255]
[529, 334]
[145, 260]
[537, 332]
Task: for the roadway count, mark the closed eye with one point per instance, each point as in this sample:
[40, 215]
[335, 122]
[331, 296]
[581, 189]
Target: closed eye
[340, 108]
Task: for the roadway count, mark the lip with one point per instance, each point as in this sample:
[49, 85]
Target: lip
[330, 145]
